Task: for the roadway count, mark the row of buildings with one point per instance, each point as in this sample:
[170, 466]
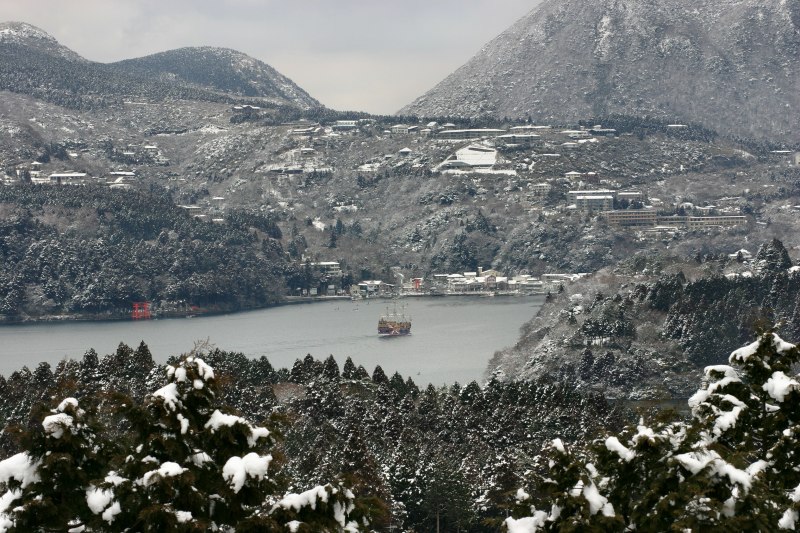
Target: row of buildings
[650, 218]
[590, 201]
[480, 282]
[605, 201]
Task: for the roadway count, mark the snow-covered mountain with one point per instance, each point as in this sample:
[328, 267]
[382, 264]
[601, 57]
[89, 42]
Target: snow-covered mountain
[34, 63]
[24, 34]
[731, 65]
[220, 69]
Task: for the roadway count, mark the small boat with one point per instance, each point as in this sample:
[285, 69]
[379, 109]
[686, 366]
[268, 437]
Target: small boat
[394, 324]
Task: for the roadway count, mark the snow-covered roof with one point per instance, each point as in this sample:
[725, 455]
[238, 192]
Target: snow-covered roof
[477, 156]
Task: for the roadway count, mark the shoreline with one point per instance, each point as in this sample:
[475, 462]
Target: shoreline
[288, 300]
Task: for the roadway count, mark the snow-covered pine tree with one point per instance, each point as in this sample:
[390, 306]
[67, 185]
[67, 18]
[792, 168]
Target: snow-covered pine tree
[184, 465]
[349, 369]
[192, 467]
[733, 466]
[45, 487]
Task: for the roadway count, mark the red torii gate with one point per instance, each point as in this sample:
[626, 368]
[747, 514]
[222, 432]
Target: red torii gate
[141, 310]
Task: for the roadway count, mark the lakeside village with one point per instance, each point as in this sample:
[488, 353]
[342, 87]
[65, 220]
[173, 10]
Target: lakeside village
[487, 282]
[527, 155]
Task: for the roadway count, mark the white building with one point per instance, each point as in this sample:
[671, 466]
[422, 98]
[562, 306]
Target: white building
[592, 203]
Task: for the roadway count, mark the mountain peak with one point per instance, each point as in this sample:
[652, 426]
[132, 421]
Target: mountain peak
[727, 64]
[221, 69]
[20, 31]
[24, 34]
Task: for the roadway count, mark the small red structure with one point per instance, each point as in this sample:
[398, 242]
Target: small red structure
[141, 310]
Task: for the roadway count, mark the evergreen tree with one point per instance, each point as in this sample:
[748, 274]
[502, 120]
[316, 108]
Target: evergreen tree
[773, 257]
[379, 376]
[185, 465]
[330, 369]
[732, 467]
[349, 369]
[48, 482]
[361, 373]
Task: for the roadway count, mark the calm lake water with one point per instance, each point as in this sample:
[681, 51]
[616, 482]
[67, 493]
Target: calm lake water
[452, 337]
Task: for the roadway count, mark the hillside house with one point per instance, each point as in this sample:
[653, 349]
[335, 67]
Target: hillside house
[572, 196]
[590, 203]
[540, 189]
[573, 175]
[630, 196]
[377, 287]
[723, 220]
[67, 178]
[474, 156]
[703, 221]
[345, 125]
[457, 135]
[525, 283]
[328, 268]
[400, 129]
[633, 217]
[603, 132]
[576, 134]
[120, 182]
[519, 139]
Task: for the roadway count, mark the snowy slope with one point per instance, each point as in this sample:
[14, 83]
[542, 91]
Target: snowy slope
[731, 65]
[24, 34]
[220, 69]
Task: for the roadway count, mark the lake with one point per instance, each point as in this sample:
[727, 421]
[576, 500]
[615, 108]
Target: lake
[452, 337]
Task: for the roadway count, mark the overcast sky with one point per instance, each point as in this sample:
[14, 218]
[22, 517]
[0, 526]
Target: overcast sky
[365, 55]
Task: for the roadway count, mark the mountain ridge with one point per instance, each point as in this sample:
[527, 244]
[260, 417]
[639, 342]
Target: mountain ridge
[223, 69]
[35, 63]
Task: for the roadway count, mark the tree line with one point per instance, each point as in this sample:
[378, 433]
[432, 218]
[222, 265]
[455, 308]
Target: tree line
[411, 457]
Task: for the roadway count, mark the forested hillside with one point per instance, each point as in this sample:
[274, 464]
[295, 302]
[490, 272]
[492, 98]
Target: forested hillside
[219, 69]
[93, 251]
[318, 449]
[652, 339]
[411, 456]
